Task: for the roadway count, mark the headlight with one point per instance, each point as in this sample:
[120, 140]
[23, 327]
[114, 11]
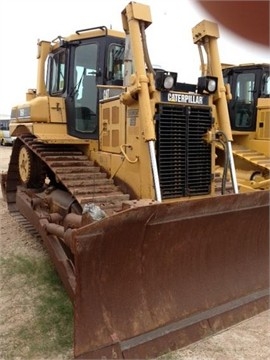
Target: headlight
[212, 85]
[207, 84]
[165, 80]
[168, 82]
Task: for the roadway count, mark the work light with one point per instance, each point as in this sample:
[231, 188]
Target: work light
[165, 80]
[207, 84]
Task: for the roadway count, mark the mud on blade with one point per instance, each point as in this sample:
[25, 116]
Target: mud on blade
[156, 278]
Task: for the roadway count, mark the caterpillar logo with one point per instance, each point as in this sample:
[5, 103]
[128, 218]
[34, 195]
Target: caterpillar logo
[185, 98]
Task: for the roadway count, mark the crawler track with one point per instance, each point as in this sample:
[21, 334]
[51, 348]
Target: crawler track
[72, 170]
[22, 221]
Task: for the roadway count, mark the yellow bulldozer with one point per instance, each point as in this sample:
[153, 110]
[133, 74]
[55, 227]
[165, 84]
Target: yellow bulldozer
[114, 164]
[247, 88]
[249, 110]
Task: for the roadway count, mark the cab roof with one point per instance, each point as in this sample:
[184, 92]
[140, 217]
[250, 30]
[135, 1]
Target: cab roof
[88, 33]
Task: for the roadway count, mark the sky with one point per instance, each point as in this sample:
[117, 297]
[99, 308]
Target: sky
[169, 38]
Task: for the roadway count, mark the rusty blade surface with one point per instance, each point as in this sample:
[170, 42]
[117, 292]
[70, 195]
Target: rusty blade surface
[155, 278]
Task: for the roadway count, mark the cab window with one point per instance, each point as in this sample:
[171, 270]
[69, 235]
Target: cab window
[265, 85]
[56, 73]
[245, 87]
[85, 88]
[244, 100]
[115, 65]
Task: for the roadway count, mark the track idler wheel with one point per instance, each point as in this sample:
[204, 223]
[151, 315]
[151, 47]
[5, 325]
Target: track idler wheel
[31, 169]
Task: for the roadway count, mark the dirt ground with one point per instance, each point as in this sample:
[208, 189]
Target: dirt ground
[249, 340]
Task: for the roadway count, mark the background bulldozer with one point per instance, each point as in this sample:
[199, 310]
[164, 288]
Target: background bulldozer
[249, 109]
[247, 89]
[114, 164]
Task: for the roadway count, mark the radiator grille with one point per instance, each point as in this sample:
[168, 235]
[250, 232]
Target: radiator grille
[184, 158]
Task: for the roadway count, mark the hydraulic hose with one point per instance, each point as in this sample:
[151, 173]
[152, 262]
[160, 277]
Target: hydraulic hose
[154, 169]
[227, 163]
[232, 167]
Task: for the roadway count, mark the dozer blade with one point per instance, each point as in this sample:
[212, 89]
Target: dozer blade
[156, 278]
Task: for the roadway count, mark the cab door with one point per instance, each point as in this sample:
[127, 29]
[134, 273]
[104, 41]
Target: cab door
[242, 107]
[82, 101]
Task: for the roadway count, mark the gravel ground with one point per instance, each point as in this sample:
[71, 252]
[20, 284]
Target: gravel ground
[249, 340]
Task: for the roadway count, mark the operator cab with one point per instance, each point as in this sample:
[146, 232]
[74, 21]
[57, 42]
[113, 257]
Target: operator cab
[248, 84]
[75, 70]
